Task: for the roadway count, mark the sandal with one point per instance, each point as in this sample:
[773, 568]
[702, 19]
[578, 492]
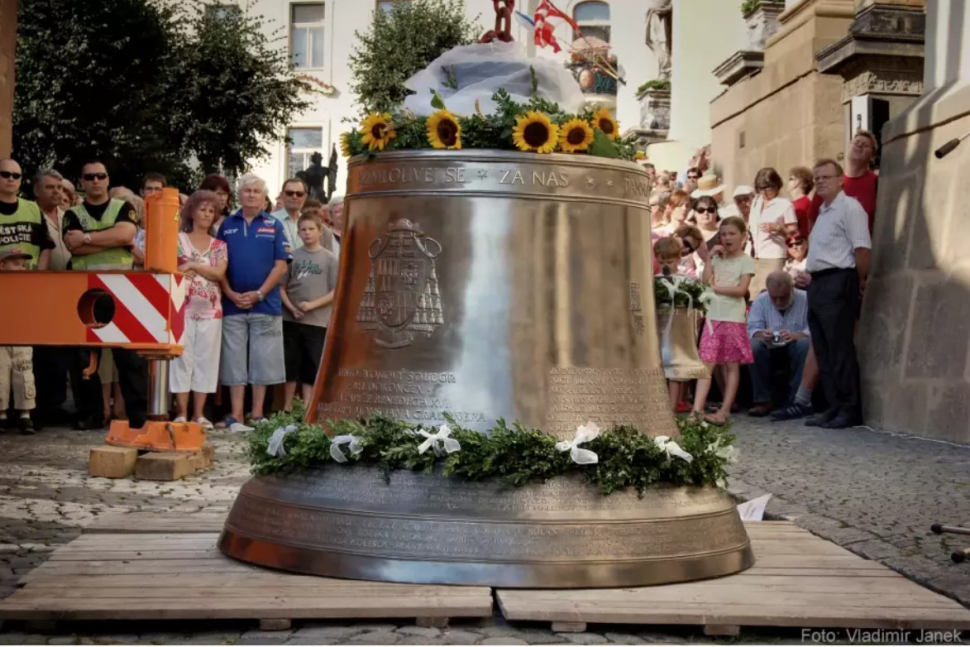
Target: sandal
[716, 420]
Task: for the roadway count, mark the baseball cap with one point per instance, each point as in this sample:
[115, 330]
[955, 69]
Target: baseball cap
[14, 252]
[743, 190]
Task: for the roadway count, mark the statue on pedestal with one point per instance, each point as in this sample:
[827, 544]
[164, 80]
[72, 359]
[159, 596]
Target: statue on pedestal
[660, 38]
[313, 176]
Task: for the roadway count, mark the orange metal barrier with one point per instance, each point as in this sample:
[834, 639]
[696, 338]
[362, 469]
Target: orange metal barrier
[138, 310]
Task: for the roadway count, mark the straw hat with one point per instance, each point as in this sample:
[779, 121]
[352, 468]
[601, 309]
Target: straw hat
[709, 185]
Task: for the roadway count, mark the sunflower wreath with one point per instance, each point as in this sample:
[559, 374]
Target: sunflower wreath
[610, 460]
[538, 126]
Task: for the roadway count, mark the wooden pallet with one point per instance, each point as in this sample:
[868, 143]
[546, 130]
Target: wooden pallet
[182, 576]
[148, 565]
[799, 580]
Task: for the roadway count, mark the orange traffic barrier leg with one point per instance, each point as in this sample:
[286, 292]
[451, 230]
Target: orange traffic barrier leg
[158, 434]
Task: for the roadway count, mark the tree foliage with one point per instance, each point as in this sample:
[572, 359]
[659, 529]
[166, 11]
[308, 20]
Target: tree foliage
[147, 85]
[237, 91]
[403, 42]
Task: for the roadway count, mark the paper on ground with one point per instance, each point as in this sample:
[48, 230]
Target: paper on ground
[754, 510]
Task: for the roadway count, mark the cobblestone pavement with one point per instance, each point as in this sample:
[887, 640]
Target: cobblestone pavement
[874, 493]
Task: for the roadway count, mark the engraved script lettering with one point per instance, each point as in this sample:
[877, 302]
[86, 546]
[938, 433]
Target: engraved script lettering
[607, 396]
[409, 395]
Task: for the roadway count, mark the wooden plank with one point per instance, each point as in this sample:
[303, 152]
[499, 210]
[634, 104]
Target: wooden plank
[741, 614]
[257, 606]
[155, 522]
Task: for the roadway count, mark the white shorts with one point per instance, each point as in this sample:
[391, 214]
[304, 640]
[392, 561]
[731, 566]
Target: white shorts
[197, 369]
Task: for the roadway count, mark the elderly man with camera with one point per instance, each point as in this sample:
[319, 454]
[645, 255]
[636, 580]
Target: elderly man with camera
[777, 323]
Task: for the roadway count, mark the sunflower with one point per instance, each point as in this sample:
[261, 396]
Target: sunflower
[535, 132]
[377, 131]
[444, 131]
[575, 136]
[345, 145]
[605, 122]
[640, 156]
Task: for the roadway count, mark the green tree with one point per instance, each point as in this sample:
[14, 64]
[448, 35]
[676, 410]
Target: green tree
[236, 90]
[403, 42]
[91, 79]
[148, 85]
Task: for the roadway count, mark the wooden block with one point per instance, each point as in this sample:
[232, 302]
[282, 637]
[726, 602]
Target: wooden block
[275, 624]
[722, 630]
[210, 453]
[163, 466]
[197, 461]
[569, 627]
[432, 623]
[112, 462]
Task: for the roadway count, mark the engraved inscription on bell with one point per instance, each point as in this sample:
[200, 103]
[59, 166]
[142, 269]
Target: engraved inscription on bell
[402, 294]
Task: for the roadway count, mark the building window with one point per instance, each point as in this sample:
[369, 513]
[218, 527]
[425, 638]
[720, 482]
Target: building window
[593, 19]
[306, 35]
[387, 6]
[222, 12]
[304, 142]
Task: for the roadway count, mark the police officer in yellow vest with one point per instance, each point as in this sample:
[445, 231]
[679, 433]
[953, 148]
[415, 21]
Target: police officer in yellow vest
[100, 233]
[22, 226]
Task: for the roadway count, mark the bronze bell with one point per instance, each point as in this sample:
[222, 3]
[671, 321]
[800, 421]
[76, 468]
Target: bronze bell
[491, 284]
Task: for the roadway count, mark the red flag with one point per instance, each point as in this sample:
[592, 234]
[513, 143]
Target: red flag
[544, 30]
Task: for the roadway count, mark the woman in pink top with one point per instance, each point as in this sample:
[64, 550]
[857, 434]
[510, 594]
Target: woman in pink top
[203, 260]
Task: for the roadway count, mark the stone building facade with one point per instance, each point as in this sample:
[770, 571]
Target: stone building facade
[786, 113]
[915, 331]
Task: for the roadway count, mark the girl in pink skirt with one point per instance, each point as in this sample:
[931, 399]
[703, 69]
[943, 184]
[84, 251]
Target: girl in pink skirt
[725, 341]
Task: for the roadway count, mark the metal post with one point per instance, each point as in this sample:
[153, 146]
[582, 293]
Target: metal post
[158, 386]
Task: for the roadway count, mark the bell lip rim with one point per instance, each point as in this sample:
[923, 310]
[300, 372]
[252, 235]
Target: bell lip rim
[316, 562]
[480, 154]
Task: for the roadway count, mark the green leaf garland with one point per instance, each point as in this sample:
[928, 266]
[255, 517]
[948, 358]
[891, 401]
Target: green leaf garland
[516, 454]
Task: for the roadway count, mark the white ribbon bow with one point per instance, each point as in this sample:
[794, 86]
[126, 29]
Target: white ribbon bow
[437, 440]
[276, 440]
[727, 452]
[353, 443]
[584, 434]
[671, 448]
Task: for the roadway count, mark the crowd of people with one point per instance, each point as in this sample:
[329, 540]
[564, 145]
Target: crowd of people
[261, 284]
[787, 276]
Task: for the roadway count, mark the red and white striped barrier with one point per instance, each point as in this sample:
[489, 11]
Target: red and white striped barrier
[144, 306]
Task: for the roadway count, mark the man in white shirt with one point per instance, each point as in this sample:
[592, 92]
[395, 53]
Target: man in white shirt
[777, 322]
[838, 260]
[294, 196]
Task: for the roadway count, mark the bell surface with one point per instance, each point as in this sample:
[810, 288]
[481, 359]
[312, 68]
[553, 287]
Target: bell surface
[487, 285]
[678, 329]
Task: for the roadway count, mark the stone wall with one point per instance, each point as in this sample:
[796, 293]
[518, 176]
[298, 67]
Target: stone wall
[914, 342]
[8, 41]
[915, 336]
[788, 114]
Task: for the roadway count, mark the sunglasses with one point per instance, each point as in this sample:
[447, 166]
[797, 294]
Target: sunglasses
[693, 177]
[10, 175]
[796, 243]
[705, 210]
[91, 177]
[688, 247]
[294, 194]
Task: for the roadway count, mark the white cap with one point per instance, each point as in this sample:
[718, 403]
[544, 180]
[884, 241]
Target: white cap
[743, 190]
